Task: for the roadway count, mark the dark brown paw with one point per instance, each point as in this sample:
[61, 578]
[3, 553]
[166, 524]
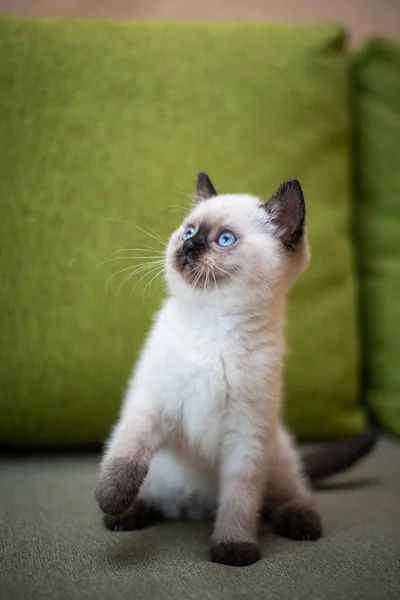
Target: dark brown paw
[297, 521]
[137, 517]
[236, 554]
[118, 486]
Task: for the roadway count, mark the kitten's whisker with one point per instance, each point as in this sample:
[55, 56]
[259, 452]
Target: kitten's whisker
[151, 248]
[187, 196]
[119, 219]
[193, 276]
[125, 280]
[143, 249]
[173, 210]
[216, 287]
[226, 273]
[158, 236]
[200, 273]
[145, 264]
[138, 269]
[151, 281]
[178, 207]
[127, 269]
[128, 258]
[206, 280]
[138, 249]
[157, 239]
[117, 273]
[142, 277]
[128, 277]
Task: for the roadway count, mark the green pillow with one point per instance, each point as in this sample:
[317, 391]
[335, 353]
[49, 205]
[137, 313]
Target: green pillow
[106, 124]
[377, 181]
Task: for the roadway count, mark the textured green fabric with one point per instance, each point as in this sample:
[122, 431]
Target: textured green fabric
[103, 122]
[53, 545]
[377, 181]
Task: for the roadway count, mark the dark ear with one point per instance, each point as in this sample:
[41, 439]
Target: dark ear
[287, 212]
[204, 188]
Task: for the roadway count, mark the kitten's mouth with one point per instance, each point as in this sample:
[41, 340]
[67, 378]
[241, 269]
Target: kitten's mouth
[197, 272]
[189, 268]
[186, 263]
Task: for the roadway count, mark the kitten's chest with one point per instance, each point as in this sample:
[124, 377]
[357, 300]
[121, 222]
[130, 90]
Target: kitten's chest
[208, 363]
[197, 396]
[211, 380]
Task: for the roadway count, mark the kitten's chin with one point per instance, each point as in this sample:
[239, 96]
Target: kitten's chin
[178, 279]
[183, 280]
[190, 276]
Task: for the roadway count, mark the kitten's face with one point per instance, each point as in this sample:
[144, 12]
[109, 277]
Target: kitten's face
[236, 240]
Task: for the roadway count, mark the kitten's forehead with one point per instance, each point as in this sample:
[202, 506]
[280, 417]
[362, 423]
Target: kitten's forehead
[229, 208]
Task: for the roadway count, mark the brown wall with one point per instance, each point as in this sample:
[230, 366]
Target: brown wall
[362, 17]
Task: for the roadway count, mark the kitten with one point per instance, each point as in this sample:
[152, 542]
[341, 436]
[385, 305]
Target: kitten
[200, 434]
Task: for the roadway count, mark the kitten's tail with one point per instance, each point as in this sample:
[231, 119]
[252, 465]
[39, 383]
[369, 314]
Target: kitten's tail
[338, 456]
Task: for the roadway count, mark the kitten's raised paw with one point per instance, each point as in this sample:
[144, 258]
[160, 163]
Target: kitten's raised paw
[137, 517]
[119, 484]
[297, 521]
[235, 554]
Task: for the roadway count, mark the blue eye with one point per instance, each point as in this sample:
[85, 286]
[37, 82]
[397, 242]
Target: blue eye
[226, 239]
[190, 231]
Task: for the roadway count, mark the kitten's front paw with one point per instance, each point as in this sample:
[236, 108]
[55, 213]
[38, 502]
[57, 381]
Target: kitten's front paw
[297, 521]
[118, 485]
[235, 554]
[137, 517]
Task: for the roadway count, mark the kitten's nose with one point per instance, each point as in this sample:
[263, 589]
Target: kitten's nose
[189, 247]
[188, 253]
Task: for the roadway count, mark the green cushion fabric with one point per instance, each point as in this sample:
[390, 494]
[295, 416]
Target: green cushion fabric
[377, 181]
[105, 125]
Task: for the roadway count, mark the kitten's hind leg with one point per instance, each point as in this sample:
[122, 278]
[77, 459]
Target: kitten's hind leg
[289, 498]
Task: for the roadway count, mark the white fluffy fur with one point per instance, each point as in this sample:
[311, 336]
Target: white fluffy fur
[203, 404]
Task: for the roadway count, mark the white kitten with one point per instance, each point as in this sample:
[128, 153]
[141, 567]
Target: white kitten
[200, 434]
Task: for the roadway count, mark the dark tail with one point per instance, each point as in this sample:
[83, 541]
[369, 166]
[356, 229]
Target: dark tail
[338, 456]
